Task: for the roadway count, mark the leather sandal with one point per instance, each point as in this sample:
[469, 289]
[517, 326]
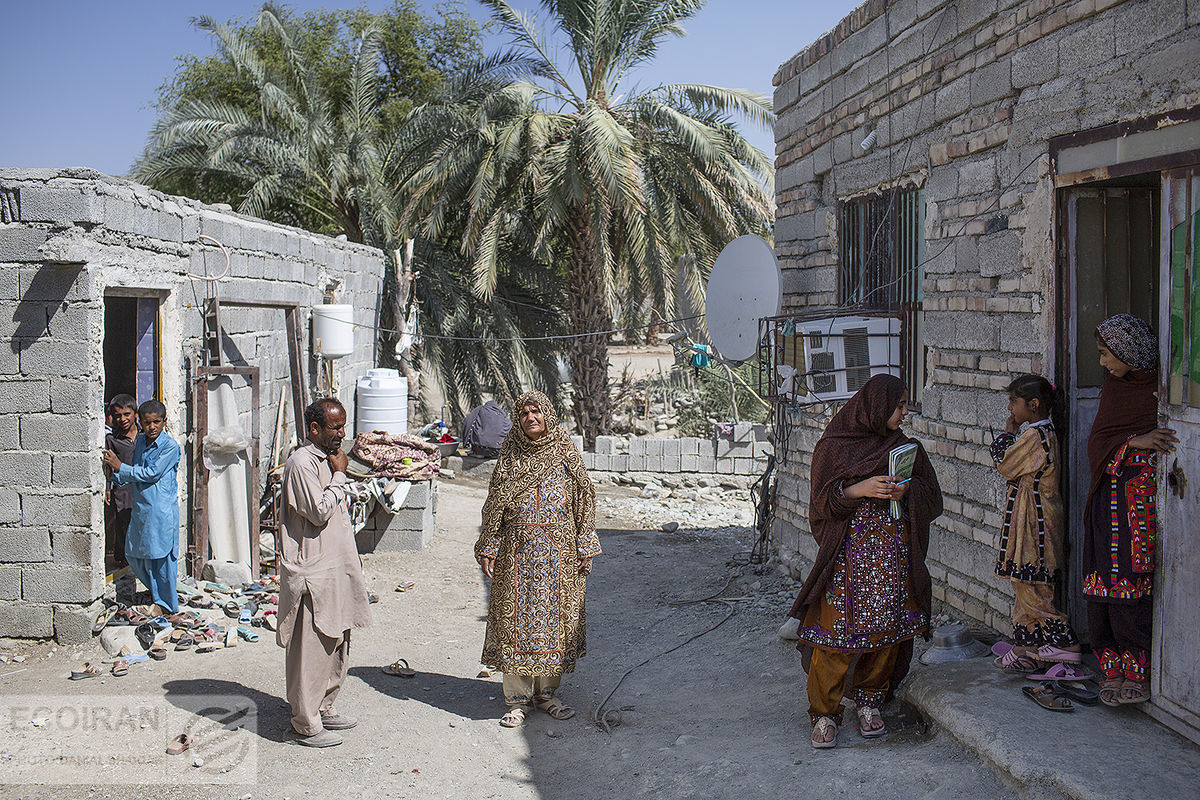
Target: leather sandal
[554, 707]
[824, 724]
[1133, 692]
[1110, 691]
[1045, 696]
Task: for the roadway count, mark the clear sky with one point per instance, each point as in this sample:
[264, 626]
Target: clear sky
[82, 74]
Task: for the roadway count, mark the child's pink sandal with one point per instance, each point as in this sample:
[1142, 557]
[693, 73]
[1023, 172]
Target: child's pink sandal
[1049, 652]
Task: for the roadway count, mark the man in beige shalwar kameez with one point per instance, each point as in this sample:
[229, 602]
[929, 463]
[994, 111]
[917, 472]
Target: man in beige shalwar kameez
[322, 594]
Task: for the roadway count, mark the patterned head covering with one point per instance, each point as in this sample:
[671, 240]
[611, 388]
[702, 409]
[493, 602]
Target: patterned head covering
[525, 463]
[1130, 339]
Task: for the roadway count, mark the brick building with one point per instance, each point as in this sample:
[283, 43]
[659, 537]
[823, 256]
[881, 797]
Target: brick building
[1002, 175]
[98, 296]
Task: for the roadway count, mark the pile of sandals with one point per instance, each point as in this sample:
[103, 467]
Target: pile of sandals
[216, 617]
[1062, 680]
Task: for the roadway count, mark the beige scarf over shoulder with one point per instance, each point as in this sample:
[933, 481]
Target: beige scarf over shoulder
[524, 463]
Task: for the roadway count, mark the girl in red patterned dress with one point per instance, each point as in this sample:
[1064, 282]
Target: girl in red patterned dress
[1120, 519]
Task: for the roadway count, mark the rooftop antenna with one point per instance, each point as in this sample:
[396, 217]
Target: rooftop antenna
[745, 285]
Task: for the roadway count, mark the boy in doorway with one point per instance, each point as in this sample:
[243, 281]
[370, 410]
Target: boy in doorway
[152, 543]
[118, 500]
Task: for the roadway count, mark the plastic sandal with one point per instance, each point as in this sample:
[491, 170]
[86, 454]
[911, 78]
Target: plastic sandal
[103, 619]
[179, 744]
[1110, 691]
[820, 729]
[88, 670]
[158, 652]
[120, 668]
[184, 642]
[1077, 691]
[247, 634]
[865, 715]
[1049, 652]
[1044, 695]
[1064, 672]
[245, 616]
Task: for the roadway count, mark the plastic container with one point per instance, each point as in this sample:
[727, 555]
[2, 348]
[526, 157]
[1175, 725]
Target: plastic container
[382, 402]
[333, 325]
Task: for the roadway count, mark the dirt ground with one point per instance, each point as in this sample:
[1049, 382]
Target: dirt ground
[722, 716]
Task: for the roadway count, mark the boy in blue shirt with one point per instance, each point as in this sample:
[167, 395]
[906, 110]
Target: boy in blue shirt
[152, 543]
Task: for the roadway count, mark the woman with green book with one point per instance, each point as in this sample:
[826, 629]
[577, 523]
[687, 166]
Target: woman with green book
[868, 593]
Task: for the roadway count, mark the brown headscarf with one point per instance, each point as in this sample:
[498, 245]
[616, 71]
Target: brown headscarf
[524, 463]
[855, 446]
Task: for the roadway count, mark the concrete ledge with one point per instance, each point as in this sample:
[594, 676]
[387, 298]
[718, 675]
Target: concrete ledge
[1092, 752]
[411, 528]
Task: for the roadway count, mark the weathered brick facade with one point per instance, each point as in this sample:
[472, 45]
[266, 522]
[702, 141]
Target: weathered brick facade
[964, 98]
[71, 238]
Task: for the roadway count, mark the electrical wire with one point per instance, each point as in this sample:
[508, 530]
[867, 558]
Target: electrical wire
[556, 337]
[607, 720]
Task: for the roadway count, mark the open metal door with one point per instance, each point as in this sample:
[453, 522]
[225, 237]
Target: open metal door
[1110, 247]
[1175, 668]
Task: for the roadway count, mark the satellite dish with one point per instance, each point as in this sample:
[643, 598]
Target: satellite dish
[744, 287]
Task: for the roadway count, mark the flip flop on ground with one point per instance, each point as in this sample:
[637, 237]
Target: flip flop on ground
[400, 668]
[1063, 672]
[1045, 696]
[179, 744]
[88, 670]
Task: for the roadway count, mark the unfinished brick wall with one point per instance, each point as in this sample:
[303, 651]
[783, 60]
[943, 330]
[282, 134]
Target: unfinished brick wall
[68, 237]
[963, 97]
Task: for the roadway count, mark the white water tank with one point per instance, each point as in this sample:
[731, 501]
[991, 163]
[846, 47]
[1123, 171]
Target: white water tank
[382, 402]
[333, 325]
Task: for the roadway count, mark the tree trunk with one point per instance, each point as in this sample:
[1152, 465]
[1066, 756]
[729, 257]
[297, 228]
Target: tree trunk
[588, 310]
[400, 310]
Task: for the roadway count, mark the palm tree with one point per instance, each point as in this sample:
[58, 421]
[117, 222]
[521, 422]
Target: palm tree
[302, 156]
[613, 182]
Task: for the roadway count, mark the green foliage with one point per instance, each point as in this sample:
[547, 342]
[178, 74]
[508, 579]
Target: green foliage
[416, 54]
[613, 181]
[286, 123]
[711, 401]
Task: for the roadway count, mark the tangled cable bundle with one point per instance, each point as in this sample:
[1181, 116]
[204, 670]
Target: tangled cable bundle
[397, 455]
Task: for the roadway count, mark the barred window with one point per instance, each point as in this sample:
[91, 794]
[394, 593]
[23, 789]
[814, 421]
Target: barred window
[881, 246]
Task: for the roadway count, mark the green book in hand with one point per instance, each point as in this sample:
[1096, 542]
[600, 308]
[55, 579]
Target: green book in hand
[900, 465]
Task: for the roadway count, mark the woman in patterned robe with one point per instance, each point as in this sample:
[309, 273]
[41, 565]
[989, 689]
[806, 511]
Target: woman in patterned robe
[868, 593]
[536, 543]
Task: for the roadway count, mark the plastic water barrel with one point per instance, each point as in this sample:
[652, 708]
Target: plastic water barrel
[333, 324]
[382, 402]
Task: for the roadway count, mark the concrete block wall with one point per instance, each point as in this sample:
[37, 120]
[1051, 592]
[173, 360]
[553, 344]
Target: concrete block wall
[963, 98]
[411, 528]
[736, 458]
[70, 237]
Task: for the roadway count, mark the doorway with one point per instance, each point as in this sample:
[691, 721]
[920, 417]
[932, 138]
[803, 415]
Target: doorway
[131, 366]
[1109, 255]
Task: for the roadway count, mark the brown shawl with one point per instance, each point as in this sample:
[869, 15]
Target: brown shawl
[1128, 408]
[524, 463]
[855, 446]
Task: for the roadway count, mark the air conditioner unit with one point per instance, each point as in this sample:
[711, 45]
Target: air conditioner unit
[842, 353]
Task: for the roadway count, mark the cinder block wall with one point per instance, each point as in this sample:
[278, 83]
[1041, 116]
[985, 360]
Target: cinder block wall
[964, 97]
[68, 238]
[742, 454]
